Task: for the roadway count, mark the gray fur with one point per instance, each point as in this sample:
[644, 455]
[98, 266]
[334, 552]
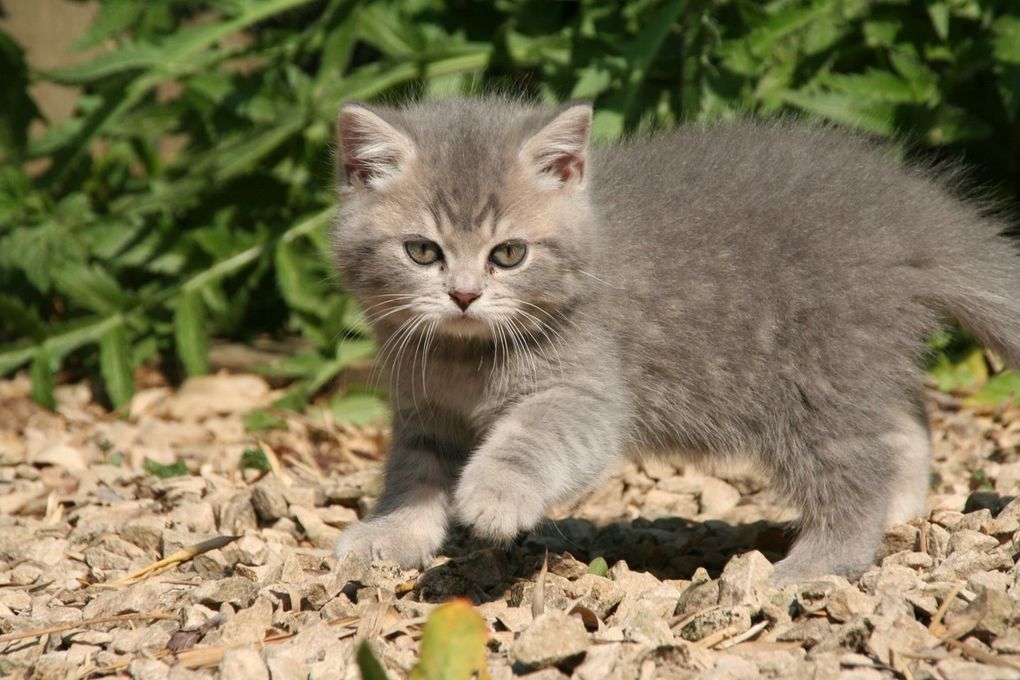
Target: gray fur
[749, 289]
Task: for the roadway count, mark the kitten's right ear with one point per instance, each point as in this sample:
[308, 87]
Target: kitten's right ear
[371, 150]
[559, 150]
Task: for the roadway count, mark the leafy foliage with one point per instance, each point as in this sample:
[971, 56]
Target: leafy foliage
[190, 193]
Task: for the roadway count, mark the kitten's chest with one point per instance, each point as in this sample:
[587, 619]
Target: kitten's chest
[457, 394]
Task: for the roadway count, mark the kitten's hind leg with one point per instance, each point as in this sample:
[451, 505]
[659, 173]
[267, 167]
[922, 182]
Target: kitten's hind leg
[842, 487]
[912, 443]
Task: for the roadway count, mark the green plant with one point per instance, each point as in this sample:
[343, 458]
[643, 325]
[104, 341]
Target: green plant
[190, 194]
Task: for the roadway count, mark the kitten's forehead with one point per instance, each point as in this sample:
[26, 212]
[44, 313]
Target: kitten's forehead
[452, 211]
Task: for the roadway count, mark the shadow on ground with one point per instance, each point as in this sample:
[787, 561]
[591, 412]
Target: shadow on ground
[669, 548]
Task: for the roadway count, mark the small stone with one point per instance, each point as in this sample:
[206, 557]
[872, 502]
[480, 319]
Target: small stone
[599, 594]
[552, 639]
[236, 591]
[1002, 528]
[717, 497]
[968, 540]
[646, 625]
[745, 579]
[268, 500]
[735, 619]
[905, 633]
[898, 537]
[338, 516]
[973, 521]
[249, 625]
[732, 667]
[851, 636]
[25, 574]
[1008, 643]
[699, 596]
[237, 515]
[599, 662]
[961, 564]
[632, 582]
[846, 603]
[515, 619]
[908, 558]
[145, 532]
[811, 631]
[243, 662]
[938, 541]
[812, 596]
[148, 669]
[320, 534]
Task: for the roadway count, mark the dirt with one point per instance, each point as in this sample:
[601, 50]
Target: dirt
[100, 574]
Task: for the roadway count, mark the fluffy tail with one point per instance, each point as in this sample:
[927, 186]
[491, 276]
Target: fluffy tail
[982, 293]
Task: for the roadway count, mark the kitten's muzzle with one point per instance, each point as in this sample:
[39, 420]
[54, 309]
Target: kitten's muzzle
[464, 299]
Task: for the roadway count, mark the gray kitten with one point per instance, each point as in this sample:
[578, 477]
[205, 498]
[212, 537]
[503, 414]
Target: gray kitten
[546, 309]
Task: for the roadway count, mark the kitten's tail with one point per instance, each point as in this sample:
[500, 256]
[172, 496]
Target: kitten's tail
[981, 291]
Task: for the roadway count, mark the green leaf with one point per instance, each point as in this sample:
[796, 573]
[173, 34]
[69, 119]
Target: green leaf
[1000, 390]
[967, 373]
[115, 365]
[91, 287]
[453, 644]
[41, 374]
[261, 419]
[598, 566]
[189, 332]
[255, 459]
[15, 315]
[296, 281]
[1006, 39]
[176, 469]
[358, 409]
[369, 666]
[874, 115]
[938, 12]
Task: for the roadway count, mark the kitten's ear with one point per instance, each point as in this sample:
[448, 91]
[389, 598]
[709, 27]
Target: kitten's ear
[559, 150]
[371, 150]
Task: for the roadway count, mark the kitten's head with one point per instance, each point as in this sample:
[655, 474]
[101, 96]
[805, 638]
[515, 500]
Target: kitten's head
[472, 215]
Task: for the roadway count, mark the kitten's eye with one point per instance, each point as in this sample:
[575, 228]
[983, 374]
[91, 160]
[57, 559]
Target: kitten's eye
[423, 251]
[509, 254]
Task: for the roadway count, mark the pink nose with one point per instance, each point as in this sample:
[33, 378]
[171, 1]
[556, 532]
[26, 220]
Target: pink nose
[463, 299]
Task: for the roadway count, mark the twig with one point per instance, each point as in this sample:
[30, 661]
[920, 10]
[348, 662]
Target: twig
[935, 627]
[39, 632]
[981, 655]
[715, 638]
[170, 561]
[746, 635]
[899, 665]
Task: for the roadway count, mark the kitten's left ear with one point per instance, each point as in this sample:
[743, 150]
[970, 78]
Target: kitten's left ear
[371, 150]
[559, 150]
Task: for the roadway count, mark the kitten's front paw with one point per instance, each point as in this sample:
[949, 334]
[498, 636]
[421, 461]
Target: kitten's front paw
[384, 538]
[495, 505]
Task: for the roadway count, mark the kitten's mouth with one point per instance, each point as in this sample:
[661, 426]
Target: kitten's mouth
[465, 325]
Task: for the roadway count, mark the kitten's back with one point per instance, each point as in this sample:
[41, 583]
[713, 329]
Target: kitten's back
[754, 258]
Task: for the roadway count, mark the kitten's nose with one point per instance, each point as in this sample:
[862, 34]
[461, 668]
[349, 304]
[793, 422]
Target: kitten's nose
[463, 299]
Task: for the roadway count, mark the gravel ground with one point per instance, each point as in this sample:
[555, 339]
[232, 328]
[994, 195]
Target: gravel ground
[83, 529]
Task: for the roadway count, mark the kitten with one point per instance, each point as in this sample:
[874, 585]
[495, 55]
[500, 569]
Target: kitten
[546, 309]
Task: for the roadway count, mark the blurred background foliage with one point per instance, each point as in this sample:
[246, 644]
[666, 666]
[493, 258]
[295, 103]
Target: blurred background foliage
[189, 194]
